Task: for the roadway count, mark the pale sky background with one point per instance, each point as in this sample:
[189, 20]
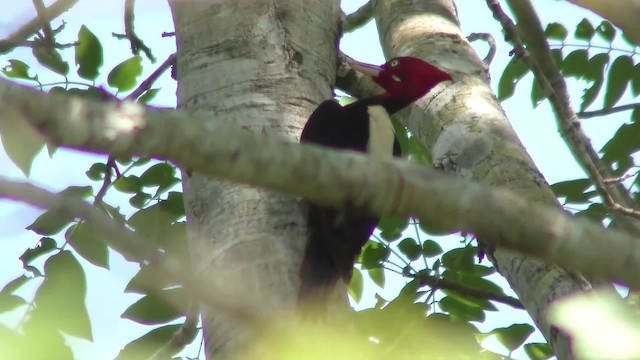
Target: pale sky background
[536, 128]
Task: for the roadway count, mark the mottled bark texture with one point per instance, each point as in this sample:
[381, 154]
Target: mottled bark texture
[262, 66]
[469, 135]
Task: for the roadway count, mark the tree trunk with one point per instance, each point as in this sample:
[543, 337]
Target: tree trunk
[261, 66]
[469, 135]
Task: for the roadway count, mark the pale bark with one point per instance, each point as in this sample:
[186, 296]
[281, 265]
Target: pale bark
[263, 67]
[469, 135]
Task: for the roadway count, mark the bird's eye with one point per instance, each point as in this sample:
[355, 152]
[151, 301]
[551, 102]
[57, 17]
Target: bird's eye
[394, 63]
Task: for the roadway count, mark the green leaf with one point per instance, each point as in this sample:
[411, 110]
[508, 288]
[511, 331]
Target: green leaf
[51, 59]
[573, 190]
[623, 144]
[377, 276]
[635, 80]
[145, 346]
[128, 184]
[60, 300]
[10, 302]
[513, 72]
[96, 171]
[124, 76]
[556, 31]
[80, 192]
[88, 54]
[595, 212]
[158, 307]
[45, 246]
[374, 254]
[514, 336]
[460, 259]
[584, 30]
[618, 80]
[575, 63]
[418, 152]
[461, 310]
[15, 284]
[17, 70]
[139, 200]
[148, 278]
[409, 247]
[50, 223]
[594, 72]
[431, 248]
[21, 141]
[88, 244]
[356, 285]
[162, 175]
[606, 31]
[148, 96]
[537, 94]
[391, 228]
[538, 351]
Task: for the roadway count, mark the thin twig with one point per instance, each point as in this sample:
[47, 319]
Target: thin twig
[539, 58]
[490, 41]
[603, 112]
[132, 246]
[106, 182]
[358, 18]
[436, 282]
[137, 44]
[31, 28]
[148, 82]
[41, 10]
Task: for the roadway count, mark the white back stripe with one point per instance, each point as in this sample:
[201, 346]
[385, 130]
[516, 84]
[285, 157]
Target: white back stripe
[381, 133]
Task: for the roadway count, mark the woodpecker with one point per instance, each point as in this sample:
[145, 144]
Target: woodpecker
[336, 236]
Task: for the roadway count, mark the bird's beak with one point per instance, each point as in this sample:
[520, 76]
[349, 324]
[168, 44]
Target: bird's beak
[364, 68]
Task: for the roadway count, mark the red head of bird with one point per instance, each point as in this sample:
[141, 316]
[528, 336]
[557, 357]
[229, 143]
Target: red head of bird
[403, 77]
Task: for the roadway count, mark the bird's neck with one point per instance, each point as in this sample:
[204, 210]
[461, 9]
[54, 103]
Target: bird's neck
[392, 104]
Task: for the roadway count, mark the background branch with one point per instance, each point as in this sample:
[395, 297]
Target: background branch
[328, 177]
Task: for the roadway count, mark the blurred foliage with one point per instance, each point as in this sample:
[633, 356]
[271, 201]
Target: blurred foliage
[421, 322]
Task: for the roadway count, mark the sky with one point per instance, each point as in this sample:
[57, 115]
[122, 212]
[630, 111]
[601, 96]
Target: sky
[535, 127]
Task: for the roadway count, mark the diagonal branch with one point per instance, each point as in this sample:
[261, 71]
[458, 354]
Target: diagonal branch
[358, 18]
[542, 64]
[34, 25]
[327, 177]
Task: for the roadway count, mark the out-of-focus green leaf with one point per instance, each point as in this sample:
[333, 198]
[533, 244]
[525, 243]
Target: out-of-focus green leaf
[584, 30]
[377, 275]
[124, 76]
[556, 31]
[391, 228]
[148, 277]
[513, 72]
[10, 302]
[460, 259]
[148, 96]
[575, 63]
[618, 80]
[146, 345]
[128, 184]
[410, 248]
[356, 285]
[373, 255]
[60, 300]
[537, 94]
[88, 244]
[635, 80]
[88, 54]
[461, 310]
[17, 70]
[50, 223]
[606, 31]
[21, 141]
[538, 351]
[573, 190]
[514, 336]
[161, 174]
[431, 248]
[51, 59]
[624, 143]
[45, 246]
[158, 307]
[595, 73]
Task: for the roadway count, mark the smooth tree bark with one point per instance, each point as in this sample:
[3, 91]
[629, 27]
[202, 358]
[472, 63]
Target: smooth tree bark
[261, 66]
[469, 134]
